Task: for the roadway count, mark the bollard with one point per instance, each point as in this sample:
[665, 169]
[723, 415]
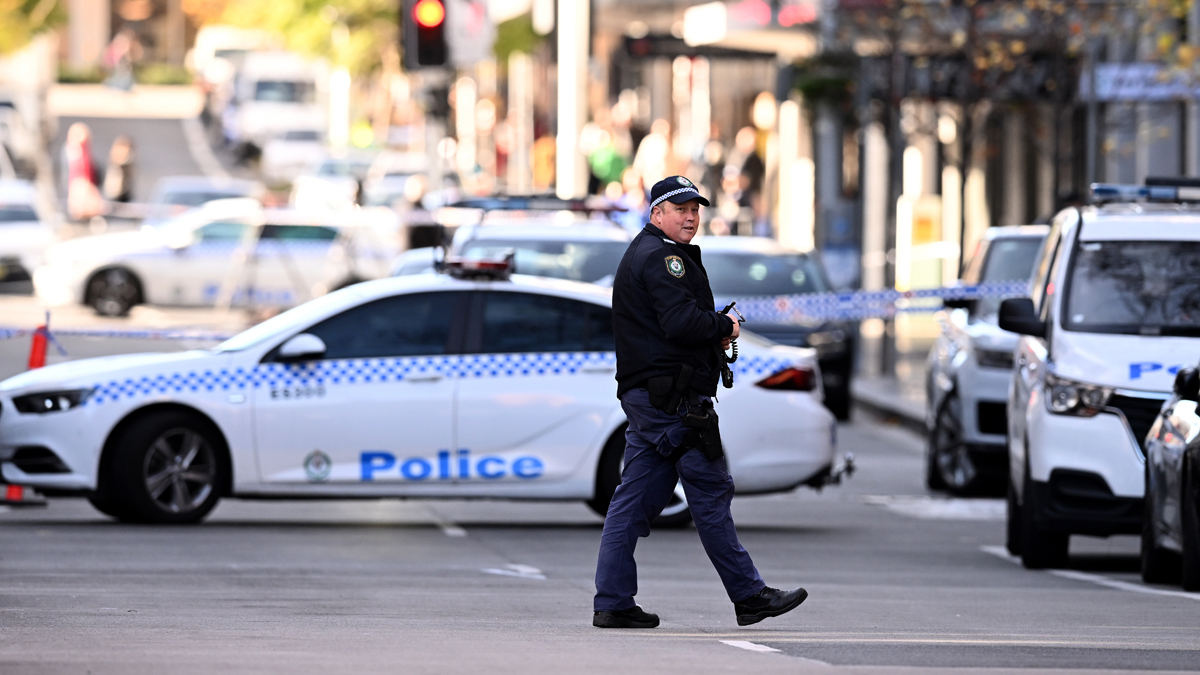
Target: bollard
[37, 348]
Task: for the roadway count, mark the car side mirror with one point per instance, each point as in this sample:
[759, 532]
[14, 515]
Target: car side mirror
[1187, 384]
[1018, 316]
[302, 347]
[959, 303]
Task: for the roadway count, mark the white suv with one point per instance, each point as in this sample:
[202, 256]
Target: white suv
[1114, 313]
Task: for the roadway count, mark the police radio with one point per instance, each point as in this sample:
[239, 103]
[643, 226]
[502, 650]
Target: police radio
[728, 358]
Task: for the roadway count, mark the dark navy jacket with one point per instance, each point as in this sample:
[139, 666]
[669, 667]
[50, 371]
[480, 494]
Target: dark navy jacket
[663, 314]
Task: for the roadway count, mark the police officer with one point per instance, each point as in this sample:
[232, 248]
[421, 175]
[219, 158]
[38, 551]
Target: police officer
[668, 335]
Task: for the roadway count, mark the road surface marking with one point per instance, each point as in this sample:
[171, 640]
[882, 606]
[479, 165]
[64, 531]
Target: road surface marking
[520, 571]
[940, 508]
[1001, 552]
[749, 646]
[199, 148]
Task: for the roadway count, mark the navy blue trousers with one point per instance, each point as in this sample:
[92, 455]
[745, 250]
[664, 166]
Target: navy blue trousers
[647, 484]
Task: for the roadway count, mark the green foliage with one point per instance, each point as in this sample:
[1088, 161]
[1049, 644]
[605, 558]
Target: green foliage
[515, 35]
[23, 20]
[311, 27]
[162, 73]
[67, 75]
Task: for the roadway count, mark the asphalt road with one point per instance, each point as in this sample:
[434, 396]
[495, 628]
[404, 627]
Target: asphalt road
[899, 582]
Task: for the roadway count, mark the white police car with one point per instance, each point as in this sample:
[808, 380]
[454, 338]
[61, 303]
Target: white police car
[413, 386]
[231, 249]
[1114, 314]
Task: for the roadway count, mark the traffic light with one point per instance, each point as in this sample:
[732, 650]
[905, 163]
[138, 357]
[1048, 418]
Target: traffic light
[424, 24]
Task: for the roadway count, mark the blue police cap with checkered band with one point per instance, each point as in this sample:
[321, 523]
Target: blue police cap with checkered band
[675, 189]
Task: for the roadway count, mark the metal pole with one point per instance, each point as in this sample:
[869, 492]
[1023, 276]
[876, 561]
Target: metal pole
[1092, 140]
[573, 47]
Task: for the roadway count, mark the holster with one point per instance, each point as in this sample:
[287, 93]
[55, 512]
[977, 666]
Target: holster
[666, 392]
[703, 433]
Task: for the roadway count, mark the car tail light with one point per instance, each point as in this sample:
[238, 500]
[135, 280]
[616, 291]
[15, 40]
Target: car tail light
[790, 379]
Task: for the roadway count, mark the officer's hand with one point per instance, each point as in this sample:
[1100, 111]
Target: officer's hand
[725, 343]
[737, 328]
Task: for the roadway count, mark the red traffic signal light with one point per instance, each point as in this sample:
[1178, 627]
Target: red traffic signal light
[429, 13]
[424, 37]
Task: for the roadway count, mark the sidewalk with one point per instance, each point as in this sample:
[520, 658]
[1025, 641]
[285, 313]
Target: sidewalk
[902, 398]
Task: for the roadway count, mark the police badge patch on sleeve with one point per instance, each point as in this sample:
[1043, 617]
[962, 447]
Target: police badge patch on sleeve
[675, 266]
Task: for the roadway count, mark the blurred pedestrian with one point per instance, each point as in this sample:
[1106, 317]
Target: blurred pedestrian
[83, 198]
[119, 57]
[653, 153]
[118, 176]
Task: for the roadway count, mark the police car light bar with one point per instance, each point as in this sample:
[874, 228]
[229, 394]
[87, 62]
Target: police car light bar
[489, 269]
[1171, 190]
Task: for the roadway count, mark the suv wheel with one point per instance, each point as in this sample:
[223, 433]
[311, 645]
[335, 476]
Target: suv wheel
[1012, 533]
[1040, 549]
[167, 468]
[1159, 566]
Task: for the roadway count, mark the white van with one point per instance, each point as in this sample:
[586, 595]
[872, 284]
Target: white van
[276, 92]
[1114, 313]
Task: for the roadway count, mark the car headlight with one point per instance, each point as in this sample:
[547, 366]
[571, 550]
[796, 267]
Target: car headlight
[828, 343]
[51, 401]
[1068, 397]
[994, 358]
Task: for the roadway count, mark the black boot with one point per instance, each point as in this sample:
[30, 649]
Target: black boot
[634, 617]
[767, 603]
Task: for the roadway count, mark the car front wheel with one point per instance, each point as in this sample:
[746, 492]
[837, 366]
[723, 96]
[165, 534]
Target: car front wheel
[1159, 566]
[1190, 506]
[169, 467]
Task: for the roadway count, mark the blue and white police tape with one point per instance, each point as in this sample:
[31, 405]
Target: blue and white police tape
[865, 304]
[9, 333]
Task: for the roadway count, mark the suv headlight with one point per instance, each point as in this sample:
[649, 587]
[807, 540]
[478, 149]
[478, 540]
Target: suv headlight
[51, 401]
[1068, 397]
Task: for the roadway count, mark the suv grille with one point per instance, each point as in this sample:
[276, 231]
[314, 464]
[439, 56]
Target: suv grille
[1139, 412]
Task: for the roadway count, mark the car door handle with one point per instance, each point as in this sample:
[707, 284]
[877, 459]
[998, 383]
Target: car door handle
[598, 369]
[423, 377]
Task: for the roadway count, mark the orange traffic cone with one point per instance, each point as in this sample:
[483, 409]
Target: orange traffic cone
[37, 348]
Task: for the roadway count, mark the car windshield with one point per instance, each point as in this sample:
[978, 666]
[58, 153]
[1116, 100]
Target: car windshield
[282, 325]
[17, 213]
[587, 261]
[339, 167]
[1135, 288]
[195, 198]
[300, 135]
[279, 91]
[738, 274]
[1008, 259]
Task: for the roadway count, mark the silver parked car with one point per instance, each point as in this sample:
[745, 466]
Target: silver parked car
[968, 370]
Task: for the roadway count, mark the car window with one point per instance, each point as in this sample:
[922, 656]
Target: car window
[1008, 259]
[278, 91]
[525, 322]
[298, 135]
[1050, 245]
[220, 231]
[403, 325]
[576, 260]
[195, 198]
[16, 213]
[1134, 287]
[750, 274]
[299, 232]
